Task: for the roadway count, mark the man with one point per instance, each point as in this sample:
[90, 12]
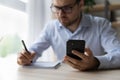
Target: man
[102, 47]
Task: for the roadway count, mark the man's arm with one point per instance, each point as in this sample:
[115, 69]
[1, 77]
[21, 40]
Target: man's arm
[111, 45]
[110, 60]
[41, 43]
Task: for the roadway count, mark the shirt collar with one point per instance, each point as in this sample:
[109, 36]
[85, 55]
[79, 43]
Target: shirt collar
[85, 21]
[60, 25]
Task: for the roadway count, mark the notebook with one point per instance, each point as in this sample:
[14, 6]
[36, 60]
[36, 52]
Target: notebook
[45, 65]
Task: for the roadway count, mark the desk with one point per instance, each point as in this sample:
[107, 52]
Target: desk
[11, 71]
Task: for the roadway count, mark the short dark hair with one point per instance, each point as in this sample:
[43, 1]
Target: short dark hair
[77, 0]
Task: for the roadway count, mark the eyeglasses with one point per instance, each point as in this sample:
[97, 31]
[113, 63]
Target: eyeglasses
[65, 9]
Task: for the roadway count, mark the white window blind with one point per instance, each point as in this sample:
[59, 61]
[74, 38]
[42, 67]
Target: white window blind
[13, 26]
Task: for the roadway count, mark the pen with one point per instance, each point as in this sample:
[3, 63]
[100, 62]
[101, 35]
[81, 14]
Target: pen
[25, 46]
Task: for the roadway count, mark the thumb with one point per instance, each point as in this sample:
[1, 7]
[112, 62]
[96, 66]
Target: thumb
[88, 52]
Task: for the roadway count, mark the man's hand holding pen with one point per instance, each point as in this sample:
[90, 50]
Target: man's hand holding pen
[25, 57]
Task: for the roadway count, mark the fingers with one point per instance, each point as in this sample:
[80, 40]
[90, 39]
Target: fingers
[77, 64]
[81, 55]
[32, 55]
[88, 52]
[25, 58]
[23, 62]
[72, 62]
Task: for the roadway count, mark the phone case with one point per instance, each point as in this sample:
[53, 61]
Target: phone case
[78, 45]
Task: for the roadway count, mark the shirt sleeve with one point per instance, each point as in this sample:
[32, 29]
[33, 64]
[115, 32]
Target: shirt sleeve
[111, 45]
[41, 43]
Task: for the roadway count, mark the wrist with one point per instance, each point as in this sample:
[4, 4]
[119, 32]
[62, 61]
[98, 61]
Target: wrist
[97, 63]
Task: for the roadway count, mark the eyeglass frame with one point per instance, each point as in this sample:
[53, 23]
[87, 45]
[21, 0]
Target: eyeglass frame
[63, 9]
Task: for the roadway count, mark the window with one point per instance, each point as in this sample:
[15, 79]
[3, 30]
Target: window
[14, 24]
[13, 28]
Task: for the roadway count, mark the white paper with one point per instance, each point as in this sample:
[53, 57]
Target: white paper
[46, 65]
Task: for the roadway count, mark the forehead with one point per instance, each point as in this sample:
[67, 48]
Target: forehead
[62, 2]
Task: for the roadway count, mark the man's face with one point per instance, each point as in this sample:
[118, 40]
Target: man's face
[67, 11]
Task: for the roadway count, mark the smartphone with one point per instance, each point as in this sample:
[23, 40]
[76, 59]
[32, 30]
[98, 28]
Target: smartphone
[78, 45]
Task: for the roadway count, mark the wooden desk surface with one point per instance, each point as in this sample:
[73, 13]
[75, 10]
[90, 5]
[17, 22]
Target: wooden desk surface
[11, 71]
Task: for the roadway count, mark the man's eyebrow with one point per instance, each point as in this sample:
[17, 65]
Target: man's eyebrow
[67, 5]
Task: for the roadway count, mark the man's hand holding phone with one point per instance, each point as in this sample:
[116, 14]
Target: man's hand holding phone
[85, 62]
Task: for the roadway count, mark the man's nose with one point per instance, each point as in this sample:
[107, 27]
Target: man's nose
[61, 12]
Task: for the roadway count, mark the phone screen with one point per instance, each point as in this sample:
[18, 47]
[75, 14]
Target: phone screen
[78, 45]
